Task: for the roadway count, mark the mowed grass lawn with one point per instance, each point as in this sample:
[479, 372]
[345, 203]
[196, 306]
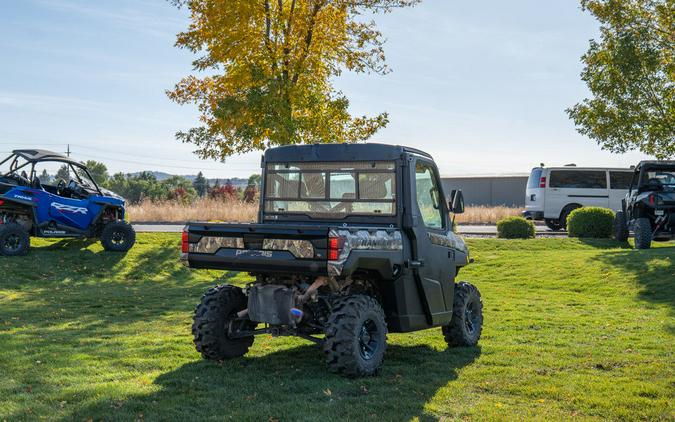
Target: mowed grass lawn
[572, 330]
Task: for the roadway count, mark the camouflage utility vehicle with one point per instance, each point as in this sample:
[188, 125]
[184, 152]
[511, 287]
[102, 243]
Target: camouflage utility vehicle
[352, 241]
[649, 207]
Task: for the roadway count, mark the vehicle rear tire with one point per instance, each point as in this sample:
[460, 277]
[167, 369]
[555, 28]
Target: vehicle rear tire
[118, 236]
[620, 227]
[552, 224]
[14, 240]
[566, 213]
[210, 327]
[466, 324]
[642, 233]
[356, 336]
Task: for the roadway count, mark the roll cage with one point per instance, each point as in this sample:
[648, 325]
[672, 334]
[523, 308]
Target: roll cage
[34, 156]
[640, 179]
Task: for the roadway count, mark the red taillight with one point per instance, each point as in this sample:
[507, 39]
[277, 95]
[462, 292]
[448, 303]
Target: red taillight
[542, 182]
[2, 202]
[651, 199]
[184, 242]
[334, 247]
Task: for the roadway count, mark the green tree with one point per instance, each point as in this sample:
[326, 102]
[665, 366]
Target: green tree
[98, 171]
[63, 173]
[45, 178]
[272, 63]
[200, 184]
[631, 73]
[254, 179]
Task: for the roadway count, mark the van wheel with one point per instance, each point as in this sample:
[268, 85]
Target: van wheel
[552, 224]
[566, 213]
[643, 233]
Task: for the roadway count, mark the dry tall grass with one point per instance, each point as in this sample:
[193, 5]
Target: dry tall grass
[212, 209]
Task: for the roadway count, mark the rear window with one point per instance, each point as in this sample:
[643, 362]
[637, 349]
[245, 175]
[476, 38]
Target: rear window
[620, 179]
[578, 179]
[533, 180]
[331, 190]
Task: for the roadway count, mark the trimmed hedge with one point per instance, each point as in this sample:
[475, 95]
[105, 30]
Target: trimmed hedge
[515, 228]
[590, 222]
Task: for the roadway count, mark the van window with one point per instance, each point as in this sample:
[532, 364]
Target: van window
[620, 179]
[533, 180]
[578, 179]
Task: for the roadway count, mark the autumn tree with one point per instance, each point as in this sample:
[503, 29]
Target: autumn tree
[273, 62]
[630, 71]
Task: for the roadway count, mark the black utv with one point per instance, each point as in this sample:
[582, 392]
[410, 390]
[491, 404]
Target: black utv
[649, 207]
[352, 242]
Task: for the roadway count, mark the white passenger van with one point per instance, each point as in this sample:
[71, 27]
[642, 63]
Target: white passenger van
[553, 192]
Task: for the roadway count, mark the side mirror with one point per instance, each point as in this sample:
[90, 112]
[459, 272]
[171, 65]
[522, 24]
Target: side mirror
[456, 204]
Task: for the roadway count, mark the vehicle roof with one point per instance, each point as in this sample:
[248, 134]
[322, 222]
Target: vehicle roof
[35, 155]
[339, 152]
[587, 168]
[656, 163]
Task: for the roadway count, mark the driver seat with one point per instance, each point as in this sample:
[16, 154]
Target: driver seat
[37, 184]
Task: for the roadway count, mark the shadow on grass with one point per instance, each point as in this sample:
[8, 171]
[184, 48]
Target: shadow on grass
[603, 243]
[653, 268]
[293, 384]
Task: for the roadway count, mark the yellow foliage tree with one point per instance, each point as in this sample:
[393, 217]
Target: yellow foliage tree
[273, 62]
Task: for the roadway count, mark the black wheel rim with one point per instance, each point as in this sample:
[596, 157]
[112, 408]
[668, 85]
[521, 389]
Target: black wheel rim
[12, 243]
[118, 237]
[368, 339]
[471, 317]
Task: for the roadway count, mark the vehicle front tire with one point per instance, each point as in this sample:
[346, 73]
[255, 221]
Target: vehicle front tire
[14, 240]
[210, 327]
[552, 224]
[466, 324]
[620, 227]
[356, 336]
[118, 236]
[642, 233]
[566, 213]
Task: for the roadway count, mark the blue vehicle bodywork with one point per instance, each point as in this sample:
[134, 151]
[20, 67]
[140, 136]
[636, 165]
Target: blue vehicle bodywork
[76, 214]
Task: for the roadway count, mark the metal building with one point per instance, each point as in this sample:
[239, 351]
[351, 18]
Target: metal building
[490, 190]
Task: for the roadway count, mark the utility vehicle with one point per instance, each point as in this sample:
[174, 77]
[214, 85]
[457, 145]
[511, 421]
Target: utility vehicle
[352, 241]
[552, 193]
[649, 207]
[77, 208]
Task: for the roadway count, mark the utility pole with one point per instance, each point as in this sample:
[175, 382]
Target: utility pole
[68, 151]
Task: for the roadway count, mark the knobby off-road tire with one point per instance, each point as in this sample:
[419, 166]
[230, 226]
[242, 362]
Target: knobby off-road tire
[219, 306]
[467, 317]
[14, 240]
[356, 336]
[620, 227]
[642, 233]
[118, 236]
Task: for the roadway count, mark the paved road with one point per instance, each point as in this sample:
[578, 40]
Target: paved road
[463, 229]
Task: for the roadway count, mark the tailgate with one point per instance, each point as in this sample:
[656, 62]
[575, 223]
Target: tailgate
[257, 248]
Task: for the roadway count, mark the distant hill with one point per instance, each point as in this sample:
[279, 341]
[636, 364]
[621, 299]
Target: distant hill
[160, 175]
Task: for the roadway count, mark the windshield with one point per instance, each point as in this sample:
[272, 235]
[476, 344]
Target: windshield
[658, 179]
[331, 190]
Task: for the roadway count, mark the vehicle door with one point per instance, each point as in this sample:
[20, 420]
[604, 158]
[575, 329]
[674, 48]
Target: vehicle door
[69, 211]
[587, 188]
[619, 182]
[434, 266]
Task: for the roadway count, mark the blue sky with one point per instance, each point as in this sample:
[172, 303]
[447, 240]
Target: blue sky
[481, 85]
